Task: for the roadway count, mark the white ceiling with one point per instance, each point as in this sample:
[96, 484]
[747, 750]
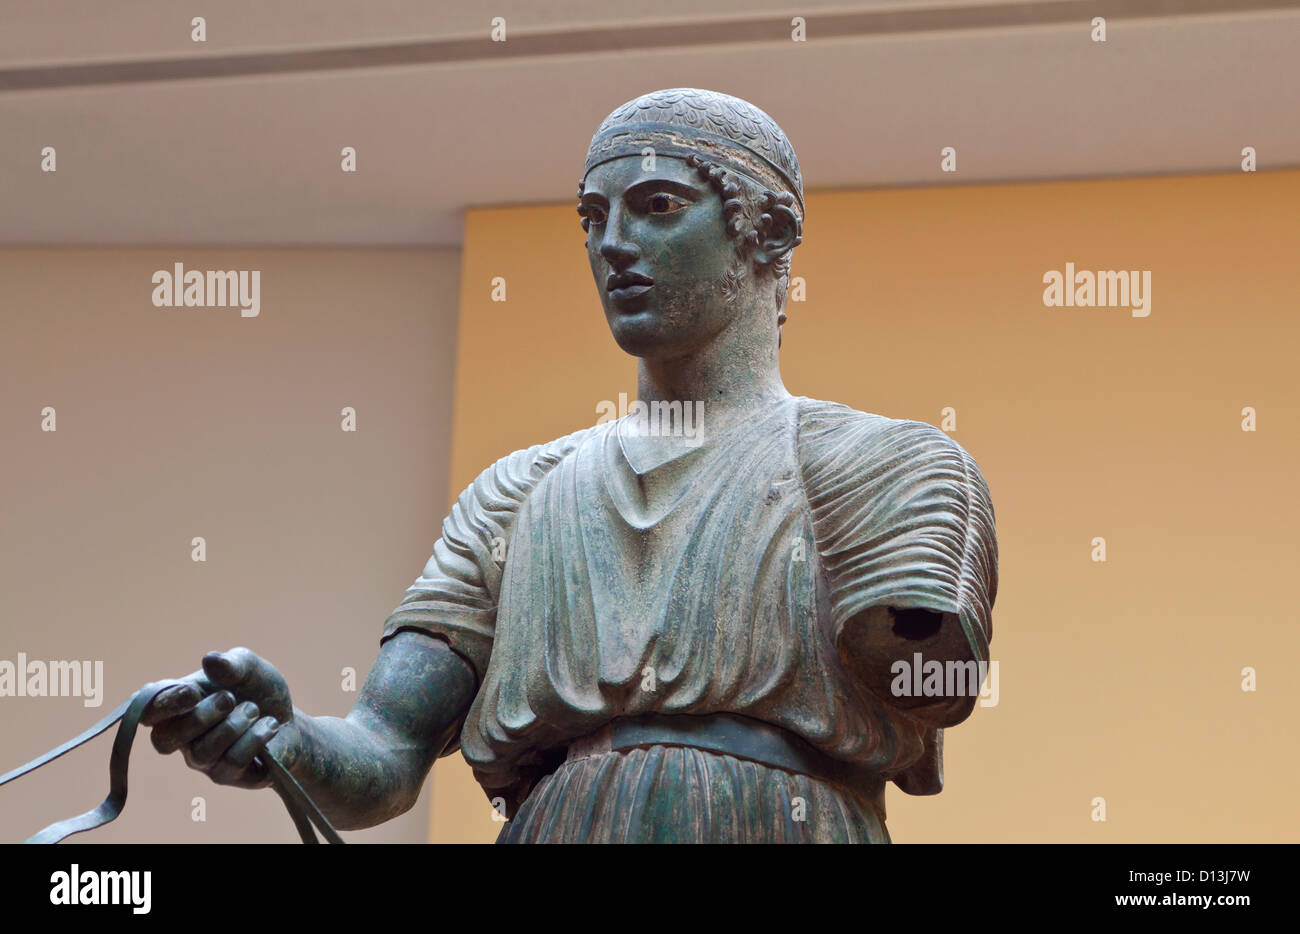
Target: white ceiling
[150, 153]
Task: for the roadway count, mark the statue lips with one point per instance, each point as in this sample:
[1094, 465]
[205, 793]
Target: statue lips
[625, 286]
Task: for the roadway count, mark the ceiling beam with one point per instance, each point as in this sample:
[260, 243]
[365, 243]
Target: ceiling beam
[623, 39]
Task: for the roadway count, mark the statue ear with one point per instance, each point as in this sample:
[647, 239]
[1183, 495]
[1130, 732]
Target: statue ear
[780, 231]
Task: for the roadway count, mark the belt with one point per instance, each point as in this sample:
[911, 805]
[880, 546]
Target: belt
[733, 735]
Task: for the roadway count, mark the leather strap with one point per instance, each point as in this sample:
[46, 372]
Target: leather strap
[300, 806]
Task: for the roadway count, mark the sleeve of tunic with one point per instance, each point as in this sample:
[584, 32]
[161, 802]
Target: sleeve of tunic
[902, 516]
[455, 598]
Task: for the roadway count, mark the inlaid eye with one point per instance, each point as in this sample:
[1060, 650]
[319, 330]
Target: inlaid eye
[595, 214]
[664, 204]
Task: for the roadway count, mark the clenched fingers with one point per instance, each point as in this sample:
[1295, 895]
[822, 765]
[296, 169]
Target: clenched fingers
[204, 751]
[172, 702]
[237, 767]
[176, 732]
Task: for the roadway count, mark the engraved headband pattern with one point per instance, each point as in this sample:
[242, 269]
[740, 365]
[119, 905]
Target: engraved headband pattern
[723, 129]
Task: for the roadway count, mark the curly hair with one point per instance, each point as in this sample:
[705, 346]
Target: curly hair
[745, 208]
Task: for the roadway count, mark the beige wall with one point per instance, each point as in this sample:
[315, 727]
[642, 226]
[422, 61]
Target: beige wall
[1118, 679]
[175, 423]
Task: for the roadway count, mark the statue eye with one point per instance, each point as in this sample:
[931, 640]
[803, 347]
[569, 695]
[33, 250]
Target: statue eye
[662, 203]
[595, 214]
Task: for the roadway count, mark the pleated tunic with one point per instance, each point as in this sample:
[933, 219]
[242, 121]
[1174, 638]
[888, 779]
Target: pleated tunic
[581, 590]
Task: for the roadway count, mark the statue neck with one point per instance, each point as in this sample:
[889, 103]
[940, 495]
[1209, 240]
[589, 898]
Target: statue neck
[733, 375]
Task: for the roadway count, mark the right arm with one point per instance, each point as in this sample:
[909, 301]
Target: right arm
[362, 769]
[370, 765]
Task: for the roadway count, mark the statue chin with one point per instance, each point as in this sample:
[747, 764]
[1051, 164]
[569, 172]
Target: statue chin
[643, 333]
[651, 332]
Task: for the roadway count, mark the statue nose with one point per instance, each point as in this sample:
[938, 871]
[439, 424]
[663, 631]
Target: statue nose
[619, 255]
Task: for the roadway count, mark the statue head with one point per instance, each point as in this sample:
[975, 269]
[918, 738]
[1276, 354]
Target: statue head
[693, 204]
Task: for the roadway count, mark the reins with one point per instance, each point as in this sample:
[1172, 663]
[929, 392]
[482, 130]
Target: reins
[301, 808]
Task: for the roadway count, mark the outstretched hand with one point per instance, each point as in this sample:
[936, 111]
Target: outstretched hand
[221, 717]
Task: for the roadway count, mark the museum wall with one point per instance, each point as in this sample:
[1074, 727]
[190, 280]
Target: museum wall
[173, 423]
[1149, 688]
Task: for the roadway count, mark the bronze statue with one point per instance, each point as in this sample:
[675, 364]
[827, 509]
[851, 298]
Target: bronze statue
[703, 634]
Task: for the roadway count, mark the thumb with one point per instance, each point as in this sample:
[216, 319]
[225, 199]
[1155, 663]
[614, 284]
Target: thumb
[250, 677]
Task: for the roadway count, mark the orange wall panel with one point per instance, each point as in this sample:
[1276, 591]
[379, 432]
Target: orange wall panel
[1119, 679]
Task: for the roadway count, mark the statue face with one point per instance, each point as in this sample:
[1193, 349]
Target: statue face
[660, 256]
